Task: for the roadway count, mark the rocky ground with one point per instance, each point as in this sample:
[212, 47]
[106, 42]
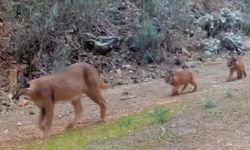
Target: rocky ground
[18, 126]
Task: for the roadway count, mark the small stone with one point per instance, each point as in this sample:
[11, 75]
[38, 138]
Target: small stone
[135, 81]
[32, 113]
[185, 51]
[126, 66]
[6, 131]
[19, 123]
[60, 116]
[125, 93]
[219, 59]
[118, 71]
[119, 83]
[208, 53]
[173, 125]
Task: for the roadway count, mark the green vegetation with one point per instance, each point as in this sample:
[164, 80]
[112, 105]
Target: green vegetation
[228, 92]
[209, 103]
[77, 139]
[104, 132]
[161, 114]
[148, 35]
[215, 111]
[147, 41]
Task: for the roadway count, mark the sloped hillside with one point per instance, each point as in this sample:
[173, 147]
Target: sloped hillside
[128, 41]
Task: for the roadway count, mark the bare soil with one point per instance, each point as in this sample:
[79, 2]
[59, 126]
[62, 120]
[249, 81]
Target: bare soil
[18, 127]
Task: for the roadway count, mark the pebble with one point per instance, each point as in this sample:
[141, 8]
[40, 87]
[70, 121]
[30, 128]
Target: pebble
[19, 123]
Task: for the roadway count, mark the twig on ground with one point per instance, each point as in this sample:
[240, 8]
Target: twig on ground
[163, 131]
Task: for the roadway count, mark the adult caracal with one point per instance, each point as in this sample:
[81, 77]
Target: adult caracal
[68, 84]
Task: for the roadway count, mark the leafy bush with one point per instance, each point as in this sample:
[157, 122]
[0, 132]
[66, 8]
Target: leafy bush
[161, 114]
[215, 111]
[147, 41]
[42, 33]
[246, 24]
[209, 103]
[148, 36]
[147, 6]
[228, 92]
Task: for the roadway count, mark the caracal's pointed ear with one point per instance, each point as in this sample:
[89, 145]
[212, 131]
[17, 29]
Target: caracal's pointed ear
[171, 73]
[234, 58]
[24, 83]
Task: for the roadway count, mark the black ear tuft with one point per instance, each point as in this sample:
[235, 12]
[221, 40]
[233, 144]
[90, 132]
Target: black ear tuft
[171, 72]
[26, 85]
[234, 58]
[24, 82]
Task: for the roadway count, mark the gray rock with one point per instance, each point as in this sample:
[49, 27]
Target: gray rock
[194, 64]
[208, 53]
[233, 42]
[210, 46]
[204, 21]
[216, 22]
[230, 19]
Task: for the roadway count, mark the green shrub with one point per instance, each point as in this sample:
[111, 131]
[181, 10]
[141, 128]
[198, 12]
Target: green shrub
[161, 114]
[147, 6]
[215, 111]
[148, 36]
[209, 103]
[147, 41]
[228, 92]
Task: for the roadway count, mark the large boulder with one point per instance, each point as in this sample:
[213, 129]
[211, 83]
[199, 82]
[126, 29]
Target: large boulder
[225, 20]
[210, 46]
[229, 42]
[206, 22]
[230, 19]
[233, 42]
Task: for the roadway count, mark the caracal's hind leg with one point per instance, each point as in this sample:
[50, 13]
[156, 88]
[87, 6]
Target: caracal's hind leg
[175, 91]
[194, 83]
[78, 112]
[230, 75]
[47, 122]
[239, 74]
[245, 73]
[41, 119]
[95, 95]
[184, 87]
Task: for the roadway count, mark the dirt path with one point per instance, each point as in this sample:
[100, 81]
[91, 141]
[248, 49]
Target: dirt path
[146, 94]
